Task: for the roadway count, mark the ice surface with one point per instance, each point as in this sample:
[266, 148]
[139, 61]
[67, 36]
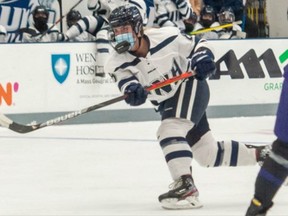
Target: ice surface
[119, 169]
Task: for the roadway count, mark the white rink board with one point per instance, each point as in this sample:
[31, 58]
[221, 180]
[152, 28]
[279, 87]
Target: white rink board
[247, 90]
[28, 70]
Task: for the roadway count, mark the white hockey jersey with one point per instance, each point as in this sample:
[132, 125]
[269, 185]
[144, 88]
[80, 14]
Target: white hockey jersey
[31, 34]
[232, 33]
[168, 57]
[84, 36]
[213, 34]
[90, 24]
[167, 13]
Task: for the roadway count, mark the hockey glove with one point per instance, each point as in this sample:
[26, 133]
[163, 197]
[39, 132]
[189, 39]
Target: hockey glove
[202, 62]
[136, 94]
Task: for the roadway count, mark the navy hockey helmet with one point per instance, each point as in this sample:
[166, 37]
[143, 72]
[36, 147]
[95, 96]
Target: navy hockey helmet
[40, 17]
[207, 16]
[40, 11]
[226, 15]
[127, 15]
[72, 17]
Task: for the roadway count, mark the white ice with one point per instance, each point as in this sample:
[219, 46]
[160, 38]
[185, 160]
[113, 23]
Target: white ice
[119, 169]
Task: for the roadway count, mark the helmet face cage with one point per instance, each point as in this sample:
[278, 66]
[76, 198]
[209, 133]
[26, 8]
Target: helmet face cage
[72, 17]
[226, 16]
[206, 12]
[40, 9]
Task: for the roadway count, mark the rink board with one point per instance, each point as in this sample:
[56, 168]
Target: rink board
[43, 80]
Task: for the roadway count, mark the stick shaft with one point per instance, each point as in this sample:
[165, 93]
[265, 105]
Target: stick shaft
[19, 128]
[215, 27]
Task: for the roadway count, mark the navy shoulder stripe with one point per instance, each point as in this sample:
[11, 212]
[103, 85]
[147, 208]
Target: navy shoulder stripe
[100, 22]
[87, 25]
[127, 64]
[162, 44]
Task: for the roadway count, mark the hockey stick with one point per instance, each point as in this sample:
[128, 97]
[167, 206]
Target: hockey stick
[61, 14]
[20, 128]
[60, 19]
[216, 27]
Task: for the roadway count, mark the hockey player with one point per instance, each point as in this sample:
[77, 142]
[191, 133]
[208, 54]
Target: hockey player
[39, 30]
[71, 19]
[227, 16]
[97, 24]
[3, 34]
[172, 13]
[207, 20]
[275, 168]
[145, 57]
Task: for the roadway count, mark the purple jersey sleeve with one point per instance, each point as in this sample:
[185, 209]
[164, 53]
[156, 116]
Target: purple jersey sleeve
[281, 125]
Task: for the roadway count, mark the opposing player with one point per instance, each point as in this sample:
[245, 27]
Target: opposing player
[275, 168]
[39, 30]
[145, 57]
[97, 25]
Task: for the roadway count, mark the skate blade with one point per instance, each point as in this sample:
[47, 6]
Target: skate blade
[191, 202]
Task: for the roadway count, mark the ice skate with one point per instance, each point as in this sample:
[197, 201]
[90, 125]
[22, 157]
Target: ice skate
[183, 195]
[256, 209]
[262, 152]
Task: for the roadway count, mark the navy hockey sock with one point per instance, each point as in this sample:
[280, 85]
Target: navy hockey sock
[269, 180]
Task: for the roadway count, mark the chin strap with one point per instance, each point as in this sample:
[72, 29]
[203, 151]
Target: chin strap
[122, 47]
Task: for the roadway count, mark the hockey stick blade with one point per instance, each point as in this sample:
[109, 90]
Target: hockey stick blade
[20, 128]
